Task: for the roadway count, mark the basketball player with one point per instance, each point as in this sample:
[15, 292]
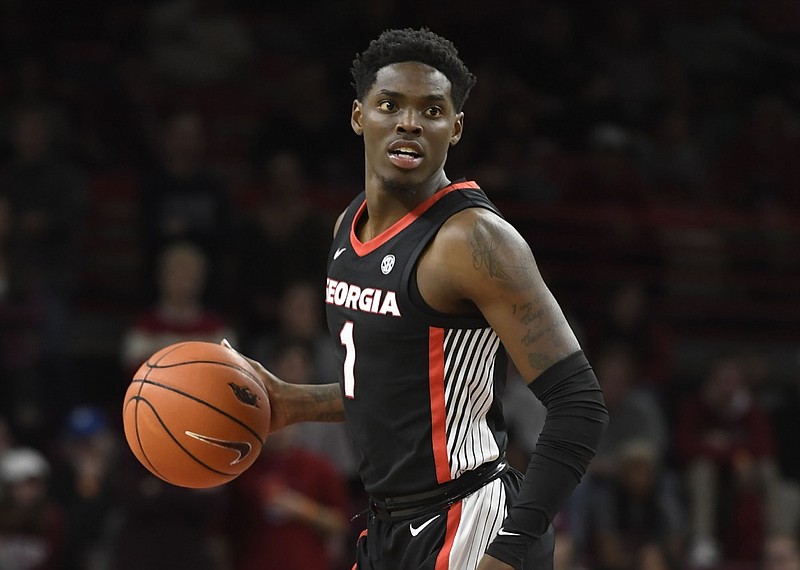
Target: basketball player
[428, 290]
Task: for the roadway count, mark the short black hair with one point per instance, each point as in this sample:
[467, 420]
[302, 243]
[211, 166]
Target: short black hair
[423, 46]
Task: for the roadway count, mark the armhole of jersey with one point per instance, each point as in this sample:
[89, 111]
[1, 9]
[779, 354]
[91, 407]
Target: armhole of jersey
[414, 295]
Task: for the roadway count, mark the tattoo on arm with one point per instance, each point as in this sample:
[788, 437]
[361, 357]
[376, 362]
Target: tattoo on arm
[321, 404]
[486, 255]
[540, 325]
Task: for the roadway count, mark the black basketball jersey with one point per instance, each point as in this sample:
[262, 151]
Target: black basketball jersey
[422, 389]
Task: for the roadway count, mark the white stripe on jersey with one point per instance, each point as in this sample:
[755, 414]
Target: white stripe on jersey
[469, 358]
[482, 515]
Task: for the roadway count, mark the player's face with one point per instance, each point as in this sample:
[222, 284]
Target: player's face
[408, 122]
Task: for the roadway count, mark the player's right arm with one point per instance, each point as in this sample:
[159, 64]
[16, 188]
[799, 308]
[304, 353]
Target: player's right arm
[293, 403]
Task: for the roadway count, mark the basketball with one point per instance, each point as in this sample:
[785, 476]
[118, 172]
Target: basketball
[196, 415]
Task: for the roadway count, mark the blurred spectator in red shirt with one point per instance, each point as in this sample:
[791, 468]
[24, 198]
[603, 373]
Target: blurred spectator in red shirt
[179, 313]
[289, 509]
[725, 442]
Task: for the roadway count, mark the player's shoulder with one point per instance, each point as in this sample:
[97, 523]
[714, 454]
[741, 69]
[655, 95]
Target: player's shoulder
[472, 238]
[476, 224]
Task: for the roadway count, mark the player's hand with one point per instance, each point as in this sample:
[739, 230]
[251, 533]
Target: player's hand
[491, 563]
[274, 386]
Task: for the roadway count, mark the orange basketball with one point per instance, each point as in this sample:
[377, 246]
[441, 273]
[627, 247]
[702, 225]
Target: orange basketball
[196, 414]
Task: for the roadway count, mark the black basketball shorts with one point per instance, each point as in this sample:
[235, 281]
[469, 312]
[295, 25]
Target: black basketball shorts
[450, 539]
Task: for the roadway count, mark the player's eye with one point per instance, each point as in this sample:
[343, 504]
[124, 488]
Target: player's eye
[386, 105]
[433, 112]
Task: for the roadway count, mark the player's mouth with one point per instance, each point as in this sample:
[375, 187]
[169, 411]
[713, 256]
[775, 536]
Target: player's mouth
[405, 154]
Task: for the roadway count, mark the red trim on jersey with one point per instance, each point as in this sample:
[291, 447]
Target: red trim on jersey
[363, 249]
[453, 518]
[438, 412]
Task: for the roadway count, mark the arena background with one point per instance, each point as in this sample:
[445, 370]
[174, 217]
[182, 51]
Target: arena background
[647, 150]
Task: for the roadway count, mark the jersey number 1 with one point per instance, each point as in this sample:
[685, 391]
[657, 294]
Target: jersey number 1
[346, 338]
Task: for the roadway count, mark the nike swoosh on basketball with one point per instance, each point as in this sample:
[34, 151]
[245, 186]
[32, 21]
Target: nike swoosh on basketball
[242, 448]
[504, 532]
[420, 528]
[339, 252]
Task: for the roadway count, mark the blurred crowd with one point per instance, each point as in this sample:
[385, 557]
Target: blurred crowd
[170, 170]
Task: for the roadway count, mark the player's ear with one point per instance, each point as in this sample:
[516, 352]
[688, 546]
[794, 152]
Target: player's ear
[458, 128]
[355, 118]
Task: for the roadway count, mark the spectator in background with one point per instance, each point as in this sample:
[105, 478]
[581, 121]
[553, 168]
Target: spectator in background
[627, 54]
[31, 522]
[84, 465]
[283, 240]
[163, 527]
[557, 65]
[293, 360]
[32, 83]
[636, 520]
[197, 42]
[608, 175]
[288, 511]
[22, 309]
[300, 320]
[627, 317]
[46, 196]
[672, 159]
[781, 552]
[635, 415]
[182, 200]
[179, 313]
[725, 443]
[302, 124]
[760, 171]
[524, 415]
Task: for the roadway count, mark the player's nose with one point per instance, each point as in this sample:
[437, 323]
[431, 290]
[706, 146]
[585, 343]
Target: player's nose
[408, 122]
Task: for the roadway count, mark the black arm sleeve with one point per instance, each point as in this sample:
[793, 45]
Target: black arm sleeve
[575, 421]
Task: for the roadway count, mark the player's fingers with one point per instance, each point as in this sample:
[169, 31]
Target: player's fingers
[224, 342]
[266, 376]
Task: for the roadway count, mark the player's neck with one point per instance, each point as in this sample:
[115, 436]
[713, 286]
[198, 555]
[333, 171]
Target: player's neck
[387, 203]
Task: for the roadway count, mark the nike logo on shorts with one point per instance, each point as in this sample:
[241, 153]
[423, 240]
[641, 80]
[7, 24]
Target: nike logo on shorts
[339, 252]
[504, 532]
[241, 448]
[420, 528]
